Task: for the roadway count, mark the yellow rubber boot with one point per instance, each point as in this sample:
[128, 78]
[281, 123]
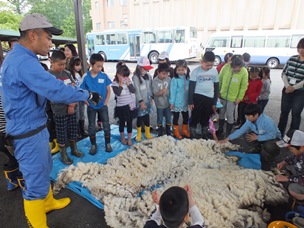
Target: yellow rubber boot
[55, 204]
[34, 213]
[147, 133]
[138, 136]
[56, 147]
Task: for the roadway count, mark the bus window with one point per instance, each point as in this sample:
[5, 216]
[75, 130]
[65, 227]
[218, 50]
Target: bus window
[164, 37]
[149, 37]
[121, 38]
[278, 41]
[111, 40]
[295, 40]
[100, 40]
[236, 41]
[254, 41]
[218, 42]
[179, 36]
[193, 33]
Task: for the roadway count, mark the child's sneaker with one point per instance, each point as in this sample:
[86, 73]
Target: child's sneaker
[108, 148]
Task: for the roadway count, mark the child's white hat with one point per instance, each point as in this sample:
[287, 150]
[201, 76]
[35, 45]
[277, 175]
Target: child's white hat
[292, 138]
[163, 55]
[144, 62]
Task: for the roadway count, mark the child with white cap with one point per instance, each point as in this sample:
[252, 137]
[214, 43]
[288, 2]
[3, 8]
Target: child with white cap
[142, 81]
[294, 140]
[164, 58]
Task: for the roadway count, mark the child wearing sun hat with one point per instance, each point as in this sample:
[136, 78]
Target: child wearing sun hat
[294, 140]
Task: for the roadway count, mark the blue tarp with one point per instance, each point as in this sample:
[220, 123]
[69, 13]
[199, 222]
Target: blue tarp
[251, 161]
[100, 157]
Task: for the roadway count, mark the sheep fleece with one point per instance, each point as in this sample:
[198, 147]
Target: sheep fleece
[226, 194]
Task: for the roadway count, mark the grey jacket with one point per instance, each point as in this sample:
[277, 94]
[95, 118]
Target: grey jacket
[143, 91]
[61, 109]
[157, 85]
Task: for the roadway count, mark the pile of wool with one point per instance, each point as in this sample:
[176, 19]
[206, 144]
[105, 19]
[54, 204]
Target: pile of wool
[226, 194]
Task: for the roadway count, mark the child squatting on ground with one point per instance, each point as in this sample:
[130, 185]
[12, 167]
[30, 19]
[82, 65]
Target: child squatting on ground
[174, 207]
[261, 131]
[293, 164]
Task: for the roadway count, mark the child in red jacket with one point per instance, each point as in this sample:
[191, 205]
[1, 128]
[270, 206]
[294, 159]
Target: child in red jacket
[253, 91]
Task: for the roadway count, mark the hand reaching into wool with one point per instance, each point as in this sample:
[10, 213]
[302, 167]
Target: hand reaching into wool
[281, 165]
[281, 178]
[155, 197]
[190, 198]
[251, 137]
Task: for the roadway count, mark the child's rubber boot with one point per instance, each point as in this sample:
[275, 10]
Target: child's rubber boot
[55, 148]
[64, 156]
[11, 177]
[185, 130]
[55, 204]
[168, 130]
[176, 133]
[93, 149]
[159, 130]
[147, 133]
[138, 136]
[35, 213]
[74, 149]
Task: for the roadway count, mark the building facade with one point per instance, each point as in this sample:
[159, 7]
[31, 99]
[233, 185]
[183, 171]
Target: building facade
[207, 16]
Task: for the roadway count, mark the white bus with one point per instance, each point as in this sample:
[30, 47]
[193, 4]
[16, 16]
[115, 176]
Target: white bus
[266, 47]
[179, 42]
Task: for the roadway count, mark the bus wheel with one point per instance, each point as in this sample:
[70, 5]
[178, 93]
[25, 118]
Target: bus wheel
[103, 55]
[153, 57]
[272, 63]
[217, 60]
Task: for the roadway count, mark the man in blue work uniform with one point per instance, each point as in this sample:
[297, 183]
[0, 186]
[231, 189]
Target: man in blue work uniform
[26, 86]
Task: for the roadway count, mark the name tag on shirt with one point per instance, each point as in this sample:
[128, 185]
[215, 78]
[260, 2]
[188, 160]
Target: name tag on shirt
[292, 81]
[100, 80]
[235, 80]
[142, 87]
[67, 81]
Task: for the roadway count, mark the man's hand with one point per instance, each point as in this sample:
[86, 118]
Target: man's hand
[95, 98]
[251, 137]
[191, 107]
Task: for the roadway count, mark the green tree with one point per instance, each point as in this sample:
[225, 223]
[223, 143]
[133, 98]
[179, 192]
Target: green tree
[61, 14]
[9, 20]
[19, 6]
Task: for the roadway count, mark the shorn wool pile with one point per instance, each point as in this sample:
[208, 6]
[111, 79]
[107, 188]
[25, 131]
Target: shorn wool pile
[226, 194]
